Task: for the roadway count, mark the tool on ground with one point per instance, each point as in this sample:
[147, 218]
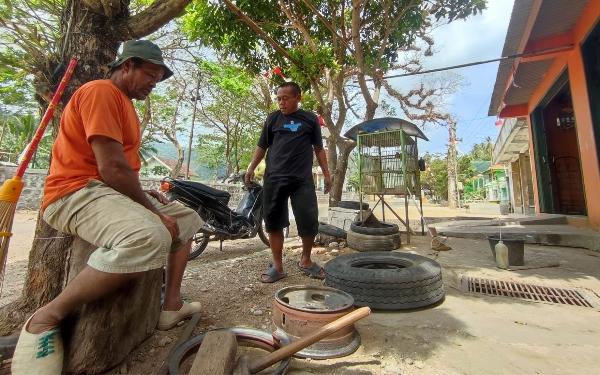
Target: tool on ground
[11, 189]
[501, 251]
[224, 358]
[437, 242]
[187, 332]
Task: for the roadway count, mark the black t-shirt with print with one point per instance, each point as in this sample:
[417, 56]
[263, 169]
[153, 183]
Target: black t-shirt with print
[290, 140]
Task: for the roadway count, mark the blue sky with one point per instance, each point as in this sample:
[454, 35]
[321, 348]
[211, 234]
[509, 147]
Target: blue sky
[478, 38]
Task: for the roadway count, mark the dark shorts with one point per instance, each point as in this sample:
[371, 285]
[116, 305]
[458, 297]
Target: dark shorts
[304, 206]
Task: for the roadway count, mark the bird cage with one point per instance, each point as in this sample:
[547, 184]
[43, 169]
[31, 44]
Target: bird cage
[388, 163]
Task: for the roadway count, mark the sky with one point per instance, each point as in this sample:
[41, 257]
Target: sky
[478, 38]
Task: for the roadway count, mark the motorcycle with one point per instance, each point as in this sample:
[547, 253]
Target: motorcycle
[220, 222]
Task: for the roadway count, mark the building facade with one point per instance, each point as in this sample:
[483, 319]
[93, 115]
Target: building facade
[553, 90]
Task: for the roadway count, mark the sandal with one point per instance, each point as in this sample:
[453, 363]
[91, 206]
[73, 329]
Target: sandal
[273, 275]
[312, 270]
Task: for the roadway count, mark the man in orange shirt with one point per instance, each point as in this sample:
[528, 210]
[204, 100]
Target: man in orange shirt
[93, 192]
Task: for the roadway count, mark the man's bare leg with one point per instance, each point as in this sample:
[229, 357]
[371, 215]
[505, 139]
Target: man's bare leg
[88, 286]
[176, 263]
[276, 240]
[305, 261]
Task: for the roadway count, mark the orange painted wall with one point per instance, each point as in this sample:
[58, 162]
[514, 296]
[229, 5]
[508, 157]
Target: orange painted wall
[581, 106]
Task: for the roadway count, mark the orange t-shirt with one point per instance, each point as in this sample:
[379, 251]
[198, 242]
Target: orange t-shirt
[96, 108]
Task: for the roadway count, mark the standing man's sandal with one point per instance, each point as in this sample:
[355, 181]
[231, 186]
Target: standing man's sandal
[40, 354]
[168, 319]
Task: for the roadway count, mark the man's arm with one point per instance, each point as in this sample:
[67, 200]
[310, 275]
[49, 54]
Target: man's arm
[322, 159]
[118, 174]
[259, 154]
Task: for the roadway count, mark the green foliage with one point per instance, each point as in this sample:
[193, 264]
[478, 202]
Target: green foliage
[18, 131]
[354, 181]
[233, 106]
[483, 150]
[435, 178]
[211, 149]
[158, 170]
[392, 25]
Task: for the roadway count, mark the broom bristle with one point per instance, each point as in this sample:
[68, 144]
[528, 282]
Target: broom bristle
[7, 213]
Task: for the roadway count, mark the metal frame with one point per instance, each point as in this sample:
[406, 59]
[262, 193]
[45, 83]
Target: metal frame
[405, 189]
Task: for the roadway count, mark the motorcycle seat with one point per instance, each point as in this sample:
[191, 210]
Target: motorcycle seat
[220, 195]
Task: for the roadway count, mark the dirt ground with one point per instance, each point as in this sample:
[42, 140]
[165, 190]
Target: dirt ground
[466, 334]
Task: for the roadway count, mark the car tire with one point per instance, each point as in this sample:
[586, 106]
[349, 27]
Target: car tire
[366, 243]
[352, 205]
[386, 229]
[387, 281]
[332, 230]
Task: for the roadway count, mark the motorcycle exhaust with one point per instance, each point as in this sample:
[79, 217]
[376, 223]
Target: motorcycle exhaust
[208, 229]
[211, 229]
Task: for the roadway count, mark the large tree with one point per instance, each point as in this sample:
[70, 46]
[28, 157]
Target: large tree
[44, 35]
[340, 50]
[232, 106]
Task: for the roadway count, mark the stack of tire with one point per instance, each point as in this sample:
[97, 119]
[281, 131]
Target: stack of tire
[386, 238]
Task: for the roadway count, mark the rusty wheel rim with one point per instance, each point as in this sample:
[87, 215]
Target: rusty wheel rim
[251, 337]
[314, 299]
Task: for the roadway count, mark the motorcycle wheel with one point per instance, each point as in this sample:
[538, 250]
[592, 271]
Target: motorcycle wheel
[199, 243]
[262, 233]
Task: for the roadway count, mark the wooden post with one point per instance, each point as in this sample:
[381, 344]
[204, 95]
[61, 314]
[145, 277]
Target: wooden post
[524, 183]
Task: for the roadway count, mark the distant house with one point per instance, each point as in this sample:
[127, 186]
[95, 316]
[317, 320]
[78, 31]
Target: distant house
[161, 167]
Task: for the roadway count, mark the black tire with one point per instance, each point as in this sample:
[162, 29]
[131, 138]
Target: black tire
[332, 230]
[387, 228]
[387, 281]
[352, 205]
[366, 243]
[8, 345]
[200, 241]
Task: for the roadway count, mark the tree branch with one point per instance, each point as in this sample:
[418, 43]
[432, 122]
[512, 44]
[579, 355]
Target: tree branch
[147, 21]
[328, 26]
[256, 28]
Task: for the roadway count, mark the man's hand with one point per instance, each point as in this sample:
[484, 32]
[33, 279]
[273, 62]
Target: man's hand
[171, 225]
[249, 176]
[327, 181]
[155, 194]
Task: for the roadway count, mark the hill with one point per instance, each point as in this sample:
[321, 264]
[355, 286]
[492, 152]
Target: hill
[167, 150]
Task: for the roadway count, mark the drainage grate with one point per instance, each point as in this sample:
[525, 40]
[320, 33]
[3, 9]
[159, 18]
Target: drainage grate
[527, 291]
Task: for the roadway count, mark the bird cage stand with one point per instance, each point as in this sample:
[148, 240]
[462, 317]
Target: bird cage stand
[388, 164]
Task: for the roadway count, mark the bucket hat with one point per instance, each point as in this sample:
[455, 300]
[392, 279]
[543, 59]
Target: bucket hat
[145, 50]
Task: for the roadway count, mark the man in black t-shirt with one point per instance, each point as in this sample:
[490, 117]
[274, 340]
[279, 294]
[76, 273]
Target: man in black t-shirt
[290, 135]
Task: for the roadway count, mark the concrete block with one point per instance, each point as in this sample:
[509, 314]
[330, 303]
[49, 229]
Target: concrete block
[343, 217]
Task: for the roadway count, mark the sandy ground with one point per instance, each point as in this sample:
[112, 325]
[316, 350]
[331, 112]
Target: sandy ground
[466, 334]
[18, 254]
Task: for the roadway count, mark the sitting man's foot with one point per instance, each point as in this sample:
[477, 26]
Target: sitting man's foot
[38, 353]
[168, 319]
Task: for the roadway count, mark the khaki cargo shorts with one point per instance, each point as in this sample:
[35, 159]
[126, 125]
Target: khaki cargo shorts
[130, 238]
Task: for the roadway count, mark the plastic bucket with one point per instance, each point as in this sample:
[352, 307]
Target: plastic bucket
[516, 249]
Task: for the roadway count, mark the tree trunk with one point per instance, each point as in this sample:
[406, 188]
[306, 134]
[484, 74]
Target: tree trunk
[101, 334]
[339, 173]
[180, 156]
[452, 187]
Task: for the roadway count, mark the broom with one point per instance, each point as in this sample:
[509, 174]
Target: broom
[11, 189]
